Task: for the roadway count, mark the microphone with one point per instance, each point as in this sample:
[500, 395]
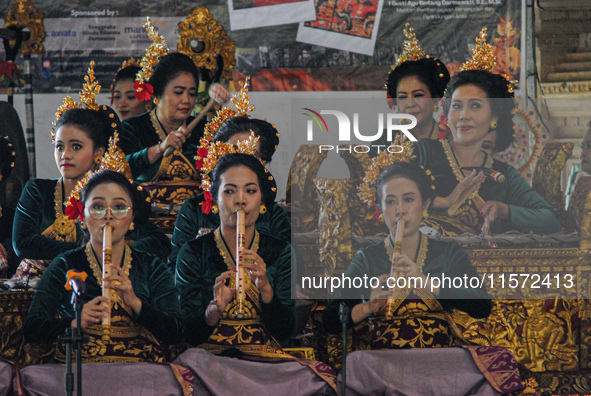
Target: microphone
[76, 281]
[493, 174]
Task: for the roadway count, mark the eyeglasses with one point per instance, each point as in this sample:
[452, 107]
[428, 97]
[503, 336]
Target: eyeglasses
[98, 211]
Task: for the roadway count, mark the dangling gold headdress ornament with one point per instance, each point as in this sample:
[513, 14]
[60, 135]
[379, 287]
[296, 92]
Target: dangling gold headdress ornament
[367, 188]
[243, 108]
[483, 58]
[126, 63]
[156, 50]
[114, 159]
[90, 89]
[412, 50]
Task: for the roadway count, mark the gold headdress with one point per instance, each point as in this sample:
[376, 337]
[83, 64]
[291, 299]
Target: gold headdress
[483, 58]
[114, 159]
[89, 91]
[209, 155]
[367, 188]
[243, 107]
[412, 50]
[156, 50]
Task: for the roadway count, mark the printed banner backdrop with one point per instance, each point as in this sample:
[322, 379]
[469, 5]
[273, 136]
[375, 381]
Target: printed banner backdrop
[247, 14]
[111, 31]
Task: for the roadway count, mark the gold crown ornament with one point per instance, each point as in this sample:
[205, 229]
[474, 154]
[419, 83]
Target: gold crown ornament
[483, 58]
[156, 50]
[412, 50]
[114, 159]
[90, 89]
[243, 107]
[367, 188]
[209, 154]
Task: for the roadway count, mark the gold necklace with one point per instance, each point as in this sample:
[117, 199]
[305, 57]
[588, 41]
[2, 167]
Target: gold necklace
[62, 225]
[225, 253]
[453, 161]
[97, 269]
[158, 127]
[423, 247]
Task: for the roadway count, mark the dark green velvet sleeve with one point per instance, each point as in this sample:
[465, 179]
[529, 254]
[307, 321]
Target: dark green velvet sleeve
[450, 260]
[188, 223]
[151, 281]
[148, 237]
[191, 219]
[194, 281]
[198, 265]
[154, 285]
[42, 325]
[528, 210]
[137, 135]
[360, 266]
[34, 213]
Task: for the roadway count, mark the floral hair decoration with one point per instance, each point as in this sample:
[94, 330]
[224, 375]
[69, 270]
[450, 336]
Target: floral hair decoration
[156, 50]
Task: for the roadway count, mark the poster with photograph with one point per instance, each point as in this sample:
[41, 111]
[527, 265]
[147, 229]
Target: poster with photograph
[349, 25]
[250, 14]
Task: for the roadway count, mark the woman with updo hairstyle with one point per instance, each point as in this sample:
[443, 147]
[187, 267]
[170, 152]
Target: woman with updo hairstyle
[416, 86]
[238, 128]
[146, 137]
[479, 104]
[41, 228]
[143, 304]
[206, 269]
[205, 263]
[419, 307]
[123, 97]
[191, 220]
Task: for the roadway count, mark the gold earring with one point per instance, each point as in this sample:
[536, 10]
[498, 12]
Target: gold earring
[381, 217]
[263, 209]
[156, 101]
[83, 224]
[215, 209]
[131, 226]
[425, 214]
[436, 108]
[98, 159]
[493, 124]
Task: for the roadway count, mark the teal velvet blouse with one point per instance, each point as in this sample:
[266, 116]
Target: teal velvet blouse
[442, 258]
[152, 283]
[191, 219]
[35, 212]
[138, 135]
[528, 210]
[199, 263]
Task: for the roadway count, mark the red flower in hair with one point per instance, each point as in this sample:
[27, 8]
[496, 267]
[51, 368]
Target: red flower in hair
[201, 153]
[143, 91]
[443, 128]
[376, 213]
[208, 203]
[391, 101]
[75, 209]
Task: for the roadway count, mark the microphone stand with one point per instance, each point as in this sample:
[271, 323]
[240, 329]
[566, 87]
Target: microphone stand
[344, 316]
[77, 338]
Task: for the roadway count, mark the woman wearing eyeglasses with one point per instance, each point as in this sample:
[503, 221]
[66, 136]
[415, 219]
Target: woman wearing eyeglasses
[144, 307]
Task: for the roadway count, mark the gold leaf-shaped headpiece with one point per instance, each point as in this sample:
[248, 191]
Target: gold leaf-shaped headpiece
[243, 107]
[156, 50]
[483, 58]
[90, 89]
[412, 50]
[367, 189]
[209, 155]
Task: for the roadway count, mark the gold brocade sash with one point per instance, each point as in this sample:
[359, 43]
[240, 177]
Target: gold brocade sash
[247, 335]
